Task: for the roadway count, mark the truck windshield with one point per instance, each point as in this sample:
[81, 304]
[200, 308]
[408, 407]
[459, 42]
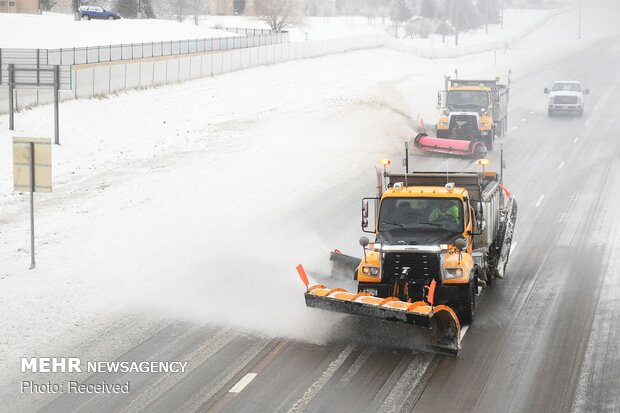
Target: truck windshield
[566, 87]
[467, 99]
[421, 213]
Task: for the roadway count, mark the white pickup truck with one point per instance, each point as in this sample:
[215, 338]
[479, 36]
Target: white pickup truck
[566, 96]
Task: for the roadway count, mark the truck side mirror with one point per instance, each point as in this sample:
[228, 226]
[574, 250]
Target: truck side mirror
[586, 92]
[482, 224]
[364, 241]
[365, 208]
[461, 244]
[439, 99]
[546, 90]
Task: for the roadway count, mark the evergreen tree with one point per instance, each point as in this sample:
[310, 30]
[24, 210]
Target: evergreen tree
[400, 12]
[147, 9]
[465, 15]
[428, 8]
[127, 8]
[47, 4]
[492, 8]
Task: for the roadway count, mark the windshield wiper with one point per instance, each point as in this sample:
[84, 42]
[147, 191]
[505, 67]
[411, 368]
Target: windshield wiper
[435, 224]
[398, 224]
[464, 105]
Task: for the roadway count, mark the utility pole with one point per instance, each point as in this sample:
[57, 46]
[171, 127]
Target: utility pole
[579, 34]
[502, 22]
[456, 22]
[486, 28]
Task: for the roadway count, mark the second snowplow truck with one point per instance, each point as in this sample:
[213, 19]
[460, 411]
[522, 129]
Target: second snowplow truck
[438, 237]
[473, 110]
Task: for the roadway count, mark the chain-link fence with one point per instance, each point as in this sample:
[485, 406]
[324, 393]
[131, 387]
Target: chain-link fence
[110, 53]
[244, 38]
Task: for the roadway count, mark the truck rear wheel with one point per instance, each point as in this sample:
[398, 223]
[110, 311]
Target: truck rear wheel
[467, 306]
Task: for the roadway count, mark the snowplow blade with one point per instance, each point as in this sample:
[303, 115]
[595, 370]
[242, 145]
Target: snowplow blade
[450, 146]
[441, 319]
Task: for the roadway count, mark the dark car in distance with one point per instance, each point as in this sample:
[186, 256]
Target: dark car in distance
[97, 12]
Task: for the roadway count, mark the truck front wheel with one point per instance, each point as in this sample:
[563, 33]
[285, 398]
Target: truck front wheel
[467, 306]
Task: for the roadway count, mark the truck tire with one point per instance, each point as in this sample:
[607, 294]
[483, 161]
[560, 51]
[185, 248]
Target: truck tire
[488, 142]
[467, 306]
[488, 276]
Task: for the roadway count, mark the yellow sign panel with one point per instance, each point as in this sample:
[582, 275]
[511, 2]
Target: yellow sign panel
[42, 164]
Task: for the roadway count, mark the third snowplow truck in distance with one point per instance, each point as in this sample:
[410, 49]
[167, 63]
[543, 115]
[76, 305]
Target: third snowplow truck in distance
[473, 110]
[438, 237]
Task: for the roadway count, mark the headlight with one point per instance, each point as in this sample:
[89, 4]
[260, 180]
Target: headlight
[371, 271]
[453, 273]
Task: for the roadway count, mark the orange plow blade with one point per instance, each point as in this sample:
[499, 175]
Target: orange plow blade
[441, 319]
[450, 146]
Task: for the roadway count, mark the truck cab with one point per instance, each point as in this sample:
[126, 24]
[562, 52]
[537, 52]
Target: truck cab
[473, 110]
[417, 232]
[452, 234]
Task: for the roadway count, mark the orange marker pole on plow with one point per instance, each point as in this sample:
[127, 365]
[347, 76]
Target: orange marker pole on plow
[302, 275]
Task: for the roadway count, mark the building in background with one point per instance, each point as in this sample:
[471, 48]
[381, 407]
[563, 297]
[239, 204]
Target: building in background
[19, 6]
[232, 7]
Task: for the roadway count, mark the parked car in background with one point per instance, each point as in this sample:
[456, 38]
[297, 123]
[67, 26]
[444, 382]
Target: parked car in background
[97, 12]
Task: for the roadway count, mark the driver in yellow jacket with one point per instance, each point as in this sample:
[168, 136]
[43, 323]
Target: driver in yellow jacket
[450, 212]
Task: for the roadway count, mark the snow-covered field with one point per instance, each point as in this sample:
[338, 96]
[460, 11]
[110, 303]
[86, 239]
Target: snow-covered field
[197, 200]
[60, 30]
[53, 31]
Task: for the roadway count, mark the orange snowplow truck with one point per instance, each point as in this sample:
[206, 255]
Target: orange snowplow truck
[438, 238]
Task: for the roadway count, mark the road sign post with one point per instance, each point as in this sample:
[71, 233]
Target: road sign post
[56, 93]
[38, 77]
[31, 161]
[32, 172]
[11, 87]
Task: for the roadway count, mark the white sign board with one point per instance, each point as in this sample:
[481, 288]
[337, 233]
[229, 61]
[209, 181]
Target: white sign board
[42, 164]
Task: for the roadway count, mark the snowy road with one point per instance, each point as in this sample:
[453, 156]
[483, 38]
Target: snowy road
[545, 338]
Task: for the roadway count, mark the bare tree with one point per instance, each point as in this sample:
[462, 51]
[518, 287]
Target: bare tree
[279, 14]
[198, 7]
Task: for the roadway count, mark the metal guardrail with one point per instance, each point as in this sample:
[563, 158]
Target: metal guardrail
[118, 52]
